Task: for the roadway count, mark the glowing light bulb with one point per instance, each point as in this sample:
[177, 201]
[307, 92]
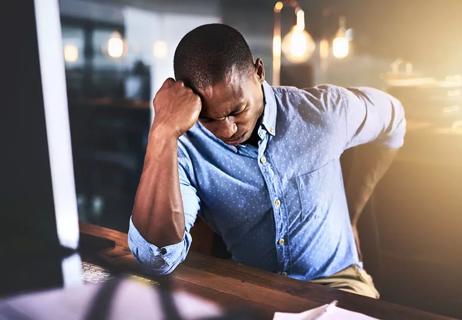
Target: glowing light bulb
[71, 53]
[298, 45]
[341, 43]
[115, 46]
[341, 47]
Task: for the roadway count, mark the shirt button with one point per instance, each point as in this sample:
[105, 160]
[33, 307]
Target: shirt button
[263, 159]
[277, 203]
[281, 242]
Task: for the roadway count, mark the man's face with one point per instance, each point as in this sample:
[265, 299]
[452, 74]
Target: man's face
[231, 108]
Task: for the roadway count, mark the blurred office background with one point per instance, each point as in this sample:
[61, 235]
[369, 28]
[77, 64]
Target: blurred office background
[118, 53]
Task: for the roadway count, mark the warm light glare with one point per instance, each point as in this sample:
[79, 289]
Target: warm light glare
[341, 47]
[71, 53]
[298, 45]
[300, 19]
[324, 49]
[278, 6]
[115, 46]
[160, 49]
[277, 44]
[341, 43]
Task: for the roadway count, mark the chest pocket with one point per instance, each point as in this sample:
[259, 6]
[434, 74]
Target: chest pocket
[316, 190]
[231, 204]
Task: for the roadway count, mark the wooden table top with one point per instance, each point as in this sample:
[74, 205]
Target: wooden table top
[231, 284]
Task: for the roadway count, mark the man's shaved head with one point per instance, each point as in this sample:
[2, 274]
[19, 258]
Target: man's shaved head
[208, 53]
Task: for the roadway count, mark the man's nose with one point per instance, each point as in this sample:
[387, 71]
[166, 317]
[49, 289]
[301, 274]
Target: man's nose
[227, 129]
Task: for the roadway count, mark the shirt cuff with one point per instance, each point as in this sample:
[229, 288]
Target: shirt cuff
[147, 253]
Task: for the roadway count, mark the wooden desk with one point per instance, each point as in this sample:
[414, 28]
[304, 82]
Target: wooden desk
[231, 284]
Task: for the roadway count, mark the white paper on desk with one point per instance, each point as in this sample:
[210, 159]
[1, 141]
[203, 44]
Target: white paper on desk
[334, 313]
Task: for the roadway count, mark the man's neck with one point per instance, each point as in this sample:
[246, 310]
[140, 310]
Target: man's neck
[254, 138]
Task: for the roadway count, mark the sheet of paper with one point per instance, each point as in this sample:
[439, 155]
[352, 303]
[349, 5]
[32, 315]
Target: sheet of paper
[321, 313]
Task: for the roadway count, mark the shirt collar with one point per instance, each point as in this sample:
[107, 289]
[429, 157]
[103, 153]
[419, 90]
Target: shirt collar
[270, 109]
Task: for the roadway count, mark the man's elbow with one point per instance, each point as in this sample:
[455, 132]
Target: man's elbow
[152, 264]
[396, 131]
[157, 260]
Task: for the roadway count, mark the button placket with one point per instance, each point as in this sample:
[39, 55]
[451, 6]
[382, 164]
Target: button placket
[274, 193]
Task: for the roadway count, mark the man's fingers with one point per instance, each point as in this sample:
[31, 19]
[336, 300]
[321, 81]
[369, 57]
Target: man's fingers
[168, 83]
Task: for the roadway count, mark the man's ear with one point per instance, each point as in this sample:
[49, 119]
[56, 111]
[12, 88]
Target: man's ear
[259, 70]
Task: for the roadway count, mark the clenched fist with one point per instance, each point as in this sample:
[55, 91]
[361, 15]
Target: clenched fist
[176, 108]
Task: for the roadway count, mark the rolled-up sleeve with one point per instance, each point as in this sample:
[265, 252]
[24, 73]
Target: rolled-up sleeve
[372, 115]
[157, 260]
[163, 260]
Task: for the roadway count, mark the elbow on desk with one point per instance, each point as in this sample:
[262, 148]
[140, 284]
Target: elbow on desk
[151, 263]
[154, 260]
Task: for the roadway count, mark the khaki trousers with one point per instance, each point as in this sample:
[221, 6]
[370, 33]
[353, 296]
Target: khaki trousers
[352, 279]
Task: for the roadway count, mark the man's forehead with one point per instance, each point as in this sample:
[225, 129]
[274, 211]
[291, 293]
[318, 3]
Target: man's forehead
[222, 98]
[217, 111]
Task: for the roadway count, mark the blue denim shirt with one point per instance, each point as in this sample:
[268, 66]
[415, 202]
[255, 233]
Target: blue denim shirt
[281, 206]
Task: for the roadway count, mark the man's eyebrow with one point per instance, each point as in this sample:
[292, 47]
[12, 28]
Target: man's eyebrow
[201, 116]
[236, 109]
[204, 117]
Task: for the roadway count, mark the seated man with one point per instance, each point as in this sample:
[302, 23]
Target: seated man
[259, 164]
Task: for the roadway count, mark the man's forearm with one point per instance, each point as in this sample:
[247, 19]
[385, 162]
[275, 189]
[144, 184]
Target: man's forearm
[158, 208]
[369, 164]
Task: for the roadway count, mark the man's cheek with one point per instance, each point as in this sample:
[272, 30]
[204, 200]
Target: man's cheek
[210, 127]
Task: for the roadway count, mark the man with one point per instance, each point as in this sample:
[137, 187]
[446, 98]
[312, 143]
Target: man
[259, 164]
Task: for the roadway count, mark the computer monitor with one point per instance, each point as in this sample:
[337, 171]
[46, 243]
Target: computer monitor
[38, 207]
